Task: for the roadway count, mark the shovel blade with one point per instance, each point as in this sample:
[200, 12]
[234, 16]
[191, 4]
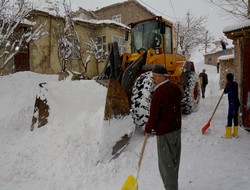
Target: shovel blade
[205, 127]
[130, 184]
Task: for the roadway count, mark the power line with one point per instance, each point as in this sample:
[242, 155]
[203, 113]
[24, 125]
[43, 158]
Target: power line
[157, 10]
[173, 8]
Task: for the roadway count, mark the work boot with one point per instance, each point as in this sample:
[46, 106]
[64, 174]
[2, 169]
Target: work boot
[235, 133]
[228, 134]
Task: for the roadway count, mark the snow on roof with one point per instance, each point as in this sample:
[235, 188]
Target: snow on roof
[92, 21]
[124, 3]
[226, 57]
[239, 26]
[218, 49]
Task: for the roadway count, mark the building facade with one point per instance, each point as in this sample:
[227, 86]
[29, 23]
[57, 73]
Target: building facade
[42, 56]
[125, 12]
[212, 57]
[240, 34]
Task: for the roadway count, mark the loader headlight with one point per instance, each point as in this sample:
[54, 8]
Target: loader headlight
[157, 51]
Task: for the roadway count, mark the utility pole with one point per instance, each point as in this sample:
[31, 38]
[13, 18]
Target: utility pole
[177, 38]
[248, 12]
[188, 14]
[206, 41]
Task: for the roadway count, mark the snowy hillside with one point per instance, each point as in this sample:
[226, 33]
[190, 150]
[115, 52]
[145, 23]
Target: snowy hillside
[69, 152]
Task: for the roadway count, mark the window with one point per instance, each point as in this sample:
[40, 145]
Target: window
[121, 43]
[101, 44]
[117, 18]
[146, 35]
[168, 34]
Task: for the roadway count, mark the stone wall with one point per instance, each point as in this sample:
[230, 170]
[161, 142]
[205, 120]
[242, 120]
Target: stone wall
[226, 66]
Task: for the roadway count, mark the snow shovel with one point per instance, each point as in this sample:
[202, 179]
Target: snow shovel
[131, 182]
[208, 123]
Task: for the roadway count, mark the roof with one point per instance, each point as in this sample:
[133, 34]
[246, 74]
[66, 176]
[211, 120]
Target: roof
[92, 21]
[124, 3]
[102, 22]
[82, 10]
[216, 51]
[226, 57]
[236, 27]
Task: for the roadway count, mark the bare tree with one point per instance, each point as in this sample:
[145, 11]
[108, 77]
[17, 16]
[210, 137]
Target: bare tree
[15, 30]
[69, 43]
[95, 50]
[192, 33]
[236, 8]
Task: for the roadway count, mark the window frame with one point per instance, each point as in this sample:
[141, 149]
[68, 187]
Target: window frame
[117, 18]
[121, 43]
[102, 44]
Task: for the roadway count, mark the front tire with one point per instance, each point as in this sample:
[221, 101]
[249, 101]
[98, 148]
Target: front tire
[141, 99]
[191, 93]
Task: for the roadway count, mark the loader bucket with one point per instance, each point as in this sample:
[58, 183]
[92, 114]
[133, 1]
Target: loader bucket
[117, 104]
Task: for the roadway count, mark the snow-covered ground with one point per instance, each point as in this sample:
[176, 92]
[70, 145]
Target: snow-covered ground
[68, 153]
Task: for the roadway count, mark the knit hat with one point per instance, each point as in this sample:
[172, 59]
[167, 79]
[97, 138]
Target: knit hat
[230, 77]
[159, 69]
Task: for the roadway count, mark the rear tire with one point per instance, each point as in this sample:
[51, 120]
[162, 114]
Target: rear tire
[192, 93]
[141, 99]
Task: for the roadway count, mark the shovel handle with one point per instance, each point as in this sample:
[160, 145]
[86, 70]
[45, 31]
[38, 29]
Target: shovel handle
[142, 151]
[217, 106]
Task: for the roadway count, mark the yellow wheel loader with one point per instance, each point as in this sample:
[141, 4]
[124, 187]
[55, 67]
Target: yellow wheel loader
[152, 42]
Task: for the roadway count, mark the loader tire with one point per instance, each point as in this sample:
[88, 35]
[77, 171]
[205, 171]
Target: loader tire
[141, 99]
[191, 93]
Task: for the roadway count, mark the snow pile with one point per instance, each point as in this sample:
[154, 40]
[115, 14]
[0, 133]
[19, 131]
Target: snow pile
[65, 154]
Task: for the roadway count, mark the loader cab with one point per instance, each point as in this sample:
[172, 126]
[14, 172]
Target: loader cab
[146, 35]
[153, 33]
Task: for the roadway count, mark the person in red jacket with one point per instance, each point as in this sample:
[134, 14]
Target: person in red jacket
[165, 121]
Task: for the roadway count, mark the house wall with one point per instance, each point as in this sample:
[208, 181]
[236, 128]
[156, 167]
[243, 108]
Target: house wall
[245, 82]
[241, 41]
[109, 32]
[44, 52]
[7, 69]
[130, 11]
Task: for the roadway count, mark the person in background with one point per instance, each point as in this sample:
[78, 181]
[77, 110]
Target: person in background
[165, 120]
[233, 106]
[218, 67]
[203, 81]
[224, 47]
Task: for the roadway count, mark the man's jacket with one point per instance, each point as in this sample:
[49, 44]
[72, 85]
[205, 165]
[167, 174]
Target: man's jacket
[165, 109]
